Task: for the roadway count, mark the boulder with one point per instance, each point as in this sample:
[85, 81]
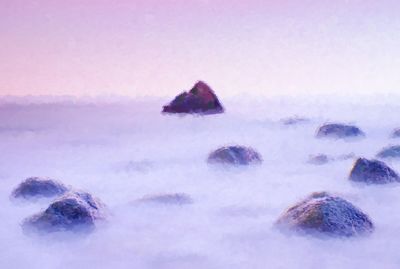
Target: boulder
[200, 100]
[75, 211]
[372, 172]
[335, 130]
[235, 155]
[36, 187]
[318, 159]
[327, 215]
[389, 152]
[168, 199]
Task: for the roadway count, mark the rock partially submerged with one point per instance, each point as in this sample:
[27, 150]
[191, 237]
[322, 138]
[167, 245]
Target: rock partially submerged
[373, 172]
[324, 214]
[336, 130]
[319, 159]
[36, 187]
[294, 121]
[235, 155]
[200, 100]
[396, 133]
[168, 199]
[389, 152]
[75, 211]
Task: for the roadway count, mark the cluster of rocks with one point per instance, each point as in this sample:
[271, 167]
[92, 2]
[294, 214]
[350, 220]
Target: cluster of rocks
[70, 211]
[329, 215]
[320, 213]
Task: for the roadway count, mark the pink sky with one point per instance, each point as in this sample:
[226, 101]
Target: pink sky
[158, 48]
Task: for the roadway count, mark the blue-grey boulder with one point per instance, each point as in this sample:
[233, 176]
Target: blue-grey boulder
[75, 211]
[389, 152]
[372, 172]
[235, 155]
[336, 130]
[36, 187]
[326, 215]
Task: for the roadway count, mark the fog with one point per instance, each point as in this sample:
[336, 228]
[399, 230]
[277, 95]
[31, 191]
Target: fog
[121, 152]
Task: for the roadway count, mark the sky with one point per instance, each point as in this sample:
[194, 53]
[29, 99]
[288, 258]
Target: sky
[159, 48]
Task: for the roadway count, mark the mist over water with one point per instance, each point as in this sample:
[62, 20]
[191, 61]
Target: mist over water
[122, 152]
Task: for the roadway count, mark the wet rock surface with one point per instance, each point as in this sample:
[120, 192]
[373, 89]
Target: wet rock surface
[325, 214]
[201, 99]
[337, 130]
[75, 211]
[36, 187]
[372, 172]
[235, 155]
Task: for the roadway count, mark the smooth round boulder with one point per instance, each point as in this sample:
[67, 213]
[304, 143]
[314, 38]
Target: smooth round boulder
[167, 199]
[389, 152]
[235, 155]
[339, 131]
[201, 99]
[326, 215]
[372, 172]
[75, 211]
[36, 187]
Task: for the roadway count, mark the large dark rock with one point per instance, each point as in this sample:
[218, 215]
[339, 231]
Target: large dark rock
[324, 214]
[335, 130]
[168, 199]
[372, 172]
[75, 211]
[235, 155]
[200, 99]
[389, 152]
[36, 187]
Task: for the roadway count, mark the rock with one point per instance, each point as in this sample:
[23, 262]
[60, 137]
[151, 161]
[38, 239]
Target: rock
[389, 152]
[324, 214]
[294, 121]
[335, 130]
[75, 211]
[318, 159]
[200, 99]
[235, 155]
[169, 198]
[372, 172]
[396, 133]
[36, 187]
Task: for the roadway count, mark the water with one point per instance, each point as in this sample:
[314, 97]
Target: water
[123, 151]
